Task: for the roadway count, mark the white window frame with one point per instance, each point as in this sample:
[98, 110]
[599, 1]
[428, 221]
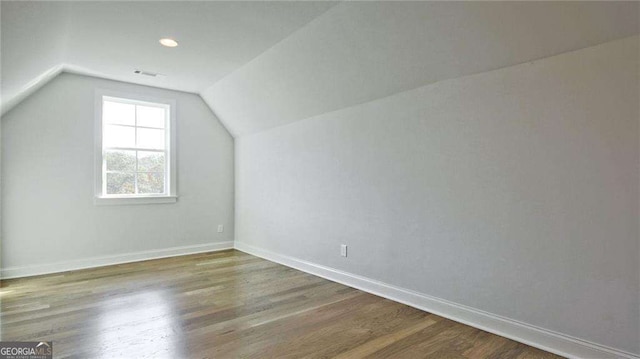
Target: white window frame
[170, 195]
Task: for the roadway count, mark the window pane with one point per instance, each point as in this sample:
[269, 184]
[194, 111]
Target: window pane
[150, 161]
[120, 160]
[121, 113]
[120, 183]
[150, 182]
[150, 138]
[150, 116]
[119, 136]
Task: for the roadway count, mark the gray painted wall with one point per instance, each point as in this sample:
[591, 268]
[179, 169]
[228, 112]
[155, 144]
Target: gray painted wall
[48, 213]
[514, 191]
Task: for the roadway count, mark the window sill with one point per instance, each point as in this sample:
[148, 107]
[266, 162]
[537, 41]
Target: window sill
[109, 201]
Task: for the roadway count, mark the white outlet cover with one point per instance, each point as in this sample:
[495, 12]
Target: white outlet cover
[343, 250]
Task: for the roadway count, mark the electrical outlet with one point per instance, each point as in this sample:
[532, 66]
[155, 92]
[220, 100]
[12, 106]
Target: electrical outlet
[220, 228]
[343, 250]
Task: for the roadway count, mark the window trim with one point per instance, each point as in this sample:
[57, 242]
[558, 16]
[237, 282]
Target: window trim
[172, 196]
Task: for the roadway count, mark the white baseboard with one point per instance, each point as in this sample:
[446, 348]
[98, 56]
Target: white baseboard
[28, 271]
[544, 339]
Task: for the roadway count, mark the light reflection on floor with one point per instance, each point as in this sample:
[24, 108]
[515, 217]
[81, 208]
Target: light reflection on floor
[140, 325]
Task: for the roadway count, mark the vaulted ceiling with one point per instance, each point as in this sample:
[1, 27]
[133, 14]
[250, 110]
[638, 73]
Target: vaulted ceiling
[264, 64]
[111, 39]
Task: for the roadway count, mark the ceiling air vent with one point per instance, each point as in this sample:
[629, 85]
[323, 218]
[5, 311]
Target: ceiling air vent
[147, 73]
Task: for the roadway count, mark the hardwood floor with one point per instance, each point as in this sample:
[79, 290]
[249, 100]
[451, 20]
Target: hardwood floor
[228, 305]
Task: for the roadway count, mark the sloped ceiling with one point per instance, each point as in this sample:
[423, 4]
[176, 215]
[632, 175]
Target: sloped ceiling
[360, 51]
[32, 43]
[264, 64]
[111, 39]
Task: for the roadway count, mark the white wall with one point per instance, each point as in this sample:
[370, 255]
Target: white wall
[514, 191]
[48, 211]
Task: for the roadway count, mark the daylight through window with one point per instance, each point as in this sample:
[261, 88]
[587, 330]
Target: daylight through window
[135, 148]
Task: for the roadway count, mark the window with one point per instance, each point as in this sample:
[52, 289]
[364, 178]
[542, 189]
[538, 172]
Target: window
[134, 157]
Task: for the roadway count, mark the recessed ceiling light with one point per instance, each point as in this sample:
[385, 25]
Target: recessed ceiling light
[168, 42]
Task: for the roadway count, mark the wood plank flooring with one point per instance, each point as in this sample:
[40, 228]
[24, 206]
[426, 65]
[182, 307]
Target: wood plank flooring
[228, 305]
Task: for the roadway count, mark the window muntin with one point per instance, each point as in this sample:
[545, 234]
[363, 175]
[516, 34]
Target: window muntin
[135, 148]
